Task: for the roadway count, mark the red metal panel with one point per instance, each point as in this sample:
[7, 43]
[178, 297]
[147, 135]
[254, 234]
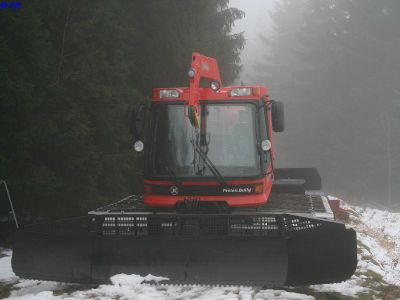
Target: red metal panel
[231, 200]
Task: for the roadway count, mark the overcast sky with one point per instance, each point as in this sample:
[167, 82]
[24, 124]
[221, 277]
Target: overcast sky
[256, 22]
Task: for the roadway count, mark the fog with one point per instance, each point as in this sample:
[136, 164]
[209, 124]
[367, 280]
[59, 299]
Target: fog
[335, 65]
[70, 80]
[255, 25]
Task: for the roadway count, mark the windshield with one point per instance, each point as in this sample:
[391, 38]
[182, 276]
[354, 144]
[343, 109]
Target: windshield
[227, 137]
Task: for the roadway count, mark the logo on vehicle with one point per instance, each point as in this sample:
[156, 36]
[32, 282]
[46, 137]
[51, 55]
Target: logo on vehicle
[237, 190]
[174, 190]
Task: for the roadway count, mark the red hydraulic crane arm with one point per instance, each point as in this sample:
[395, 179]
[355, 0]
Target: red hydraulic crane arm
[201, 67]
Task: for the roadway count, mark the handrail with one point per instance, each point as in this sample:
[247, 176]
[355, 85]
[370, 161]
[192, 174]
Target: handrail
[11, 204]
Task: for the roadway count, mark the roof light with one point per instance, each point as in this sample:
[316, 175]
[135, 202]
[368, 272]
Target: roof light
[240, 92]
[169, 94]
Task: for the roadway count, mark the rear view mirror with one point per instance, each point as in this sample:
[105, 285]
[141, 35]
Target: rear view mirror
[278, 116]
[137, 126]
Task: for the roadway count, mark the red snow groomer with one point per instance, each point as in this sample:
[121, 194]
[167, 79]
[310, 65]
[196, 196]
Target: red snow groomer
[214, 208]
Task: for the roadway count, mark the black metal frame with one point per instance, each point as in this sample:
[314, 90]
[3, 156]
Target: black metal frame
[206, 224]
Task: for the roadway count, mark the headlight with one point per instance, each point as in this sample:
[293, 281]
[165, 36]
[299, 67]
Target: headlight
[266, 145]
[191, 73]
[215, 86]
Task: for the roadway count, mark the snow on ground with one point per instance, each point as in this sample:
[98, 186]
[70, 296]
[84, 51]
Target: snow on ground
[379, 233]
[352, 287]
[377, 275]
[27, 289]
[6, 273]
[130, 287]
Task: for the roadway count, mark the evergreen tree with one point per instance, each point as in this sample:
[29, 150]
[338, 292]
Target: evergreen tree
[70, 74]
[340, 88]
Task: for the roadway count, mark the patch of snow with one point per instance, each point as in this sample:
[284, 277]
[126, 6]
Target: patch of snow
[386, 222]
[351, 287]
[131, 287]
[275, 294]
[6, 273]
[28, 288]
[123, 279]
[380, 233]
[45, 295]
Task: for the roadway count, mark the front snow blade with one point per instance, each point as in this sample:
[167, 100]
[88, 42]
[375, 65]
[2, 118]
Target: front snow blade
[271, 250]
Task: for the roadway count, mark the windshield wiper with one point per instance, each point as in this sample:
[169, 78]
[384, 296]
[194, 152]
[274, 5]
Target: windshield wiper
[172, 174]
[209, 164]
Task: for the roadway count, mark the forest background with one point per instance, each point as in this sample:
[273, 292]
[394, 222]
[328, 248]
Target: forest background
[72, 71]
